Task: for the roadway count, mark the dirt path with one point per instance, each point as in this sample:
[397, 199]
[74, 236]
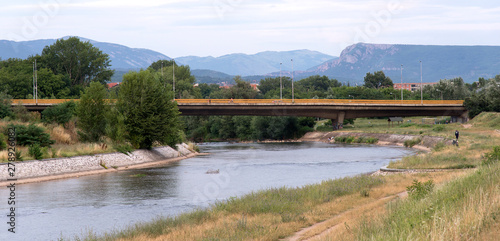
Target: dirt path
[333, 224]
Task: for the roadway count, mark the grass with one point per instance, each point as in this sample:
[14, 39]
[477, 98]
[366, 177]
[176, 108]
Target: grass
[460, 210]
[264, 215]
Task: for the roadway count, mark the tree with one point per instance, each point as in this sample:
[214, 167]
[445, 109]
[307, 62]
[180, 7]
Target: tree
[242, 90]
[60, 114]
[377, 80]
[149, 113]
[184, 81]
[80, 61]
[91, 112]
[5, 103]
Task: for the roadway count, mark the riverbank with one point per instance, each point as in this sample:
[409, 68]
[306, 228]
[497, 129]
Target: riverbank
[426, 142]
[59, 168]
[462, 203]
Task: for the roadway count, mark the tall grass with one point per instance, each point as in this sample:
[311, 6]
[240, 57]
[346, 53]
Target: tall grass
[459, 210]
[264, 215]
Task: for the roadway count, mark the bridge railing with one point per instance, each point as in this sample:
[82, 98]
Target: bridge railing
[318, 101]
[266, 101]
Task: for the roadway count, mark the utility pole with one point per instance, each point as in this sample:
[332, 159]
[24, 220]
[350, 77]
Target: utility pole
[165, 82]
[36, 84]
[293, 96]
[281, 86]
[173, 75]
[421, 85]
[34, 79]
[401, 84]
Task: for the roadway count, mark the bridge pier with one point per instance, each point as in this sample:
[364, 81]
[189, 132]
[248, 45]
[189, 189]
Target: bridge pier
[461, 119]
[339, 121]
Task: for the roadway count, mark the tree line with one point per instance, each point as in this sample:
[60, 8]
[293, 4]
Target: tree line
[144, 113]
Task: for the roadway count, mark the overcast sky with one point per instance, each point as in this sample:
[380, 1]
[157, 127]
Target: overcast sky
[218, 27]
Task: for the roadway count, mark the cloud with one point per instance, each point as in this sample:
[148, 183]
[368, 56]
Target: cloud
[217, 27]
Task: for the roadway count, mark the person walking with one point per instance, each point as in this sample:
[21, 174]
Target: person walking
[457, 134]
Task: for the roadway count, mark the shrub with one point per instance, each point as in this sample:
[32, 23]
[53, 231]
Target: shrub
[419, 190]
[36, 151]
[371, 140]
[492, 156]
[31, 134]
[340, 139]
[411, 143]
[60, 114]
[21, 113]
[438, 128]
[3, 143]
[349, 139]
[407, 124]
[5, 102]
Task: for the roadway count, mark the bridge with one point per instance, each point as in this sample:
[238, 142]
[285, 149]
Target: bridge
[335, 109]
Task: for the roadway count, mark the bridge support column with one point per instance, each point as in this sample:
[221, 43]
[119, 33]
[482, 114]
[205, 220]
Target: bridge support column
[461, 119]
[337, 123]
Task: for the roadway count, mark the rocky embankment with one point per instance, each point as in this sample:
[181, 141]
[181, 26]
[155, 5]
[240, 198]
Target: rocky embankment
[49, 169]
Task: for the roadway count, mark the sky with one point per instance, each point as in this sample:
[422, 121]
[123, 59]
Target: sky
[219, 27]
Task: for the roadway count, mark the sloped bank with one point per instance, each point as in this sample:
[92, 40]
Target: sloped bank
[50, 169]
[426, 142]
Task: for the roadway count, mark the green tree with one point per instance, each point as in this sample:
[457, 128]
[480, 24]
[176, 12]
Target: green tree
[91, 112]
[80, 61]
[242, 90]
[60, 114]
[377, 80]
[270, 87]
[184, 81]
[150, 114]
[5, 103]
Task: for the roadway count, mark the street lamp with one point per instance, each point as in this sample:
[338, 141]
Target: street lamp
[293, 96]
[401, 83]
[173, 75]
[281, 86]
[421, 85]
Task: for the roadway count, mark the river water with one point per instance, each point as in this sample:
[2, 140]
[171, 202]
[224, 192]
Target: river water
[100, 203]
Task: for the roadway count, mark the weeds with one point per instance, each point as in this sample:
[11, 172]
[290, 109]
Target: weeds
[418, 190]
[411, 143]
[353, 139]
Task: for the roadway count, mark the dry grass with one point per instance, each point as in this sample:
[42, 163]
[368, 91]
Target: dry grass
[462, 209]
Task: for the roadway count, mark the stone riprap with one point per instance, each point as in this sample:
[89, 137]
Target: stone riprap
[57, 166]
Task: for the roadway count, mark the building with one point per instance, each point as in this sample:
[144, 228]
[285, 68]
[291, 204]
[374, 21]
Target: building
[410, 86]
[111, 85]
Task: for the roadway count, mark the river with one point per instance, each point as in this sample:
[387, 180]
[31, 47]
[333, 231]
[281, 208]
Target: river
[100, 203]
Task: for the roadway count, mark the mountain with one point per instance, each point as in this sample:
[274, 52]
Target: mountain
[122, 57]
[439, 62]
[257, 64]
[211, 76]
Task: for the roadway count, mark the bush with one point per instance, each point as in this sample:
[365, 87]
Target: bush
[438, 128]
[5, 102]
[60, 114]
[419, 190]
[411, 143]
[21, 113]
[36, 151]
[3, 143]
[31, 134]
[371, 140]
[492, 156]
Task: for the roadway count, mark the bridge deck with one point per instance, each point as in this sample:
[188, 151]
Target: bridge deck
[48, 102]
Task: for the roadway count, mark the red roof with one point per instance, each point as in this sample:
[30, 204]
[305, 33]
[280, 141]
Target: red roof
[111, 85]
